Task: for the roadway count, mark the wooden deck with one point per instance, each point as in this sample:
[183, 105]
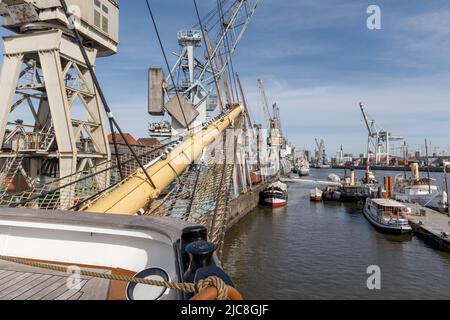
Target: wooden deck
[18, 282]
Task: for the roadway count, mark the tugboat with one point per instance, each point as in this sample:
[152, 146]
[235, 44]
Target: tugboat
[352, 192]
[331, 194]
[387, 216]
[275, 195]
[316, 195]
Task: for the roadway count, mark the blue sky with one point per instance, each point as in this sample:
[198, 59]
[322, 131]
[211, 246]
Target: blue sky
[317, 59]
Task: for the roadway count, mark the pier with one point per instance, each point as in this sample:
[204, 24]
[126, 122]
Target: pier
[432, 226]
[309, 181]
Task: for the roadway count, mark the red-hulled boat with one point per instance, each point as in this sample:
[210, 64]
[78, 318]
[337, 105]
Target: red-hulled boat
[275, 195]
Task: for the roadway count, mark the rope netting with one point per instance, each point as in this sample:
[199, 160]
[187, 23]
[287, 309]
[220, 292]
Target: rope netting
[70, 192]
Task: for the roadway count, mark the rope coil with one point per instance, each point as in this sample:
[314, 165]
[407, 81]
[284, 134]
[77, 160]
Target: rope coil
[196, 288]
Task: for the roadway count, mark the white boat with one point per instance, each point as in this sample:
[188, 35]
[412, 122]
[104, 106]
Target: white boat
[303, 167]
[304, 171]
[334, 178]
[316, 195]
[145, 247]
[419, 190]
[387, 216]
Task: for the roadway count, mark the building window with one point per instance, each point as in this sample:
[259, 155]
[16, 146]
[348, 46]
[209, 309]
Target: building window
[101, 18]
[97, 19]
[105, 24]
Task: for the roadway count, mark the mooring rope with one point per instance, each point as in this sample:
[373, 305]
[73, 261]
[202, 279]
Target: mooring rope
[216, 282]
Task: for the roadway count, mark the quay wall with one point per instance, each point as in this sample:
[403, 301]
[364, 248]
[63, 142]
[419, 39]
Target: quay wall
[244, 204]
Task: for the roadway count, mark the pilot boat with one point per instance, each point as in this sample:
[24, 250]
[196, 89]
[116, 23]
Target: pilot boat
[387, 216]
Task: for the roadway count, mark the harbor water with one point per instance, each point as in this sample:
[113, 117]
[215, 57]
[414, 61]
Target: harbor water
[322, 251]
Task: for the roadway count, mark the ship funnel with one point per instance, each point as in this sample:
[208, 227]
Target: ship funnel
[352, 177]
[415, 171]
[389, 186]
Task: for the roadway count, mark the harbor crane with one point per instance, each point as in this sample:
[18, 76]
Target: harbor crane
[194, 88]
[46, 77]
[265, 104]
[379, 139]
[321, 152]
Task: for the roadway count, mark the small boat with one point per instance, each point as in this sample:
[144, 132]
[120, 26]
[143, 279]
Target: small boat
[275, 195]
[302, 168]
[303, 171]
[334, 178]
[331, 194]
[387, 216]
[316, 194]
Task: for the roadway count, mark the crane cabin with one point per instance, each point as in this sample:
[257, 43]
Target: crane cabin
[97, 21]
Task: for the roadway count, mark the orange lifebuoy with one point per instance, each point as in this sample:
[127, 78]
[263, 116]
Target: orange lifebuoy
[210, 294]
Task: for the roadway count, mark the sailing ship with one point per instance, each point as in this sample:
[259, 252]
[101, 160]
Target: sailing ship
[275, 195]
[387, 216]
[103, 219]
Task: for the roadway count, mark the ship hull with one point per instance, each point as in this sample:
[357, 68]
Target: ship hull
[274, 202]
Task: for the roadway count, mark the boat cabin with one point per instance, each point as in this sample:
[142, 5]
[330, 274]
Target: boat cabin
[387, 207]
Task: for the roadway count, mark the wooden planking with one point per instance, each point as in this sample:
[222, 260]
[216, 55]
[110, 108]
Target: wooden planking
[21, 282]
[66, 290]
[35, 279]
[15, 281]
[96, 289]
[9, 277]
[58, 284]
[36, 289]
[6, 274]
[71, 292]
[76, 296]
[24, 268]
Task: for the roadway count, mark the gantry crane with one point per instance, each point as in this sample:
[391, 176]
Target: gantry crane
[379, 139]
